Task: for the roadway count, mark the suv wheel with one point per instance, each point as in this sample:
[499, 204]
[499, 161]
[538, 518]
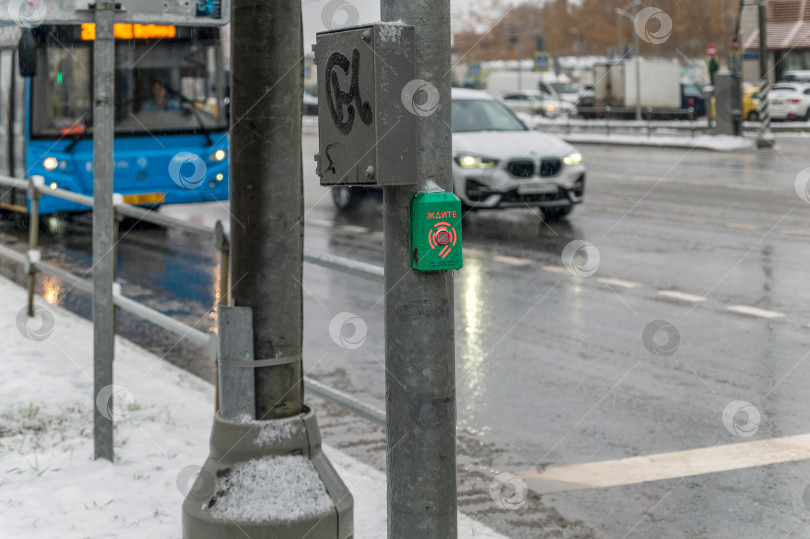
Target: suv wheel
[346, 197]
[555, 214]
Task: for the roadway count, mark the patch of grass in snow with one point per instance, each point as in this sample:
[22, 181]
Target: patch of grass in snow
[30, 427]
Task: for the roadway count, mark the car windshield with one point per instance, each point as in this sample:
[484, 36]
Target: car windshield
[161, 85]
[483, 115]
[783, 88]
[692, 90]
[564, 88]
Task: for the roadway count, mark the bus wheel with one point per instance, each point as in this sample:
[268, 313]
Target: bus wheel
[21, 221]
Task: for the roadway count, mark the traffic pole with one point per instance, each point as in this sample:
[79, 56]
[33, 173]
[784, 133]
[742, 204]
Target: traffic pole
[103, 224]
[261, 419]
[638, 65]
[419, 313]
[764, 136]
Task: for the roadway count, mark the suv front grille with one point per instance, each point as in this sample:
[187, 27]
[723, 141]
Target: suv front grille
[550, 167]
[521, 168]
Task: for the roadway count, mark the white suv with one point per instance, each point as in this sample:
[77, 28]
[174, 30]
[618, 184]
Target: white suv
[498, 162]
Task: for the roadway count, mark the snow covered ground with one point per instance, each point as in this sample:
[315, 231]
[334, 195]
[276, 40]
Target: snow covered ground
[719, 143]
[50, 486]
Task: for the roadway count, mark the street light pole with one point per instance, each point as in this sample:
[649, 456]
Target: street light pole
[260, 334]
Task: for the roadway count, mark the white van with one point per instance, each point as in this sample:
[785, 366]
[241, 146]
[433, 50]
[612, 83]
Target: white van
[556, 86]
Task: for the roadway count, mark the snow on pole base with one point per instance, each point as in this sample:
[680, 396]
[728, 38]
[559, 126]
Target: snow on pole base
[267, 479]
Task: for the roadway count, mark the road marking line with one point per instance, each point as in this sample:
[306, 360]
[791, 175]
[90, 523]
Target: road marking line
[791, 232]
[515, 261]
[753, 311]
[472, 251]
[633, 470]
[683, 296]
[354, 228]
[743, 226]
[618, 282]
[556, 269]
[319, 222]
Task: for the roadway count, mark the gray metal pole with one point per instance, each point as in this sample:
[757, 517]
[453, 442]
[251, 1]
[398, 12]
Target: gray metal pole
[419, 329]
[764, 136]
[267, 193]
[103, 222]
[638, 66]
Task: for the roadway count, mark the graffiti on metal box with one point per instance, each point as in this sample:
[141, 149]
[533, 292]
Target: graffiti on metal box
[351, 100]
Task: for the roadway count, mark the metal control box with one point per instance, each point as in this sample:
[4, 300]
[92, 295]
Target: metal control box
[367, 134]
[436, 232]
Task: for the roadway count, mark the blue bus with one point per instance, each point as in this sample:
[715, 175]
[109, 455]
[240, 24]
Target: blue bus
[171, 142]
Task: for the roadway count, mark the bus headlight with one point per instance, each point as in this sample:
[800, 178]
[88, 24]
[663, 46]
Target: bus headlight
[219, 155]
[50, 163]
[573, 159]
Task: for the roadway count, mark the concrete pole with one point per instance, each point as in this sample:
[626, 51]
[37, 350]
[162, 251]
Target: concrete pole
[103, 223]
[419, 329]
[267, 228]
[764, 136]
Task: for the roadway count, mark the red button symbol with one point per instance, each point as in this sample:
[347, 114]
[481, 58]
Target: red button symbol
[443, 237]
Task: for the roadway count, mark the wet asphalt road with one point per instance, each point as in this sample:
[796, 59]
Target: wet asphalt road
[552, 369]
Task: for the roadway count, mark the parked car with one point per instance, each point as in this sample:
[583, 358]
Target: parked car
[797, 76]
[555, 86]
[498, 162]
[586, 105]
[790, 102]
[538, 103]
[692, 98]
[750, 104]
[310, 105]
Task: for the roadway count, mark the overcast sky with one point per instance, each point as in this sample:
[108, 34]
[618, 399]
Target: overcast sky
[320, 15]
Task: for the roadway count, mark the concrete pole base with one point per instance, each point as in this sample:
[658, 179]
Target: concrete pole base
[766, 141]
[267, 480]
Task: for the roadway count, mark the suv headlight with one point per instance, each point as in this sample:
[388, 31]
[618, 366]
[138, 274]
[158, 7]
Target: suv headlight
[475, 161]
[573, 159]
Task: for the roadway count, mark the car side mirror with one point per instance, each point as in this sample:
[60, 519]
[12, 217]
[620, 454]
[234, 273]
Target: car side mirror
[27, 54]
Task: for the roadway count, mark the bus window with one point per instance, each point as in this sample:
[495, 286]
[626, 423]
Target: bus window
[166, 86]
[62, 90]
[162, 86]
[17, 130]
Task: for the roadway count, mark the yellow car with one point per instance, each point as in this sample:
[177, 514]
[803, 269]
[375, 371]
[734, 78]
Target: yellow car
[750, 104]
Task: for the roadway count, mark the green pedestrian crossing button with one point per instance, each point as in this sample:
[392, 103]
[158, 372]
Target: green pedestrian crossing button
[436, 232]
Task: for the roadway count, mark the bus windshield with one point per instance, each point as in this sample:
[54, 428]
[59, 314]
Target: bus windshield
[162, 86]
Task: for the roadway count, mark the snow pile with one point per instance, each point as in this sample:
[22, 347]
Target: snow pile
[719, 143]
[242, 495]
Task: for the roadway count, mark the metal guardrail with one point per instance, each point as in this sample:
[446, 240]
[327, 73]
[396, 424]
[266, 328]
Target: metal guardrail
[610, 125]
[31, 261]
